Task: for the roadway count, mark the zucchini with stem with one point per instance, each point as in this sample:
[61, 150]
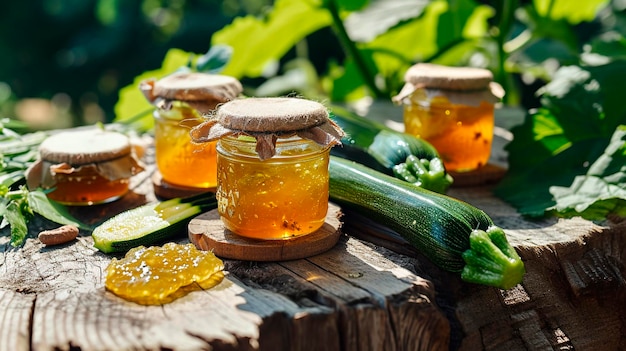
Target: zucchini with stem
[151, 223]
[391, 152]
[454, 235]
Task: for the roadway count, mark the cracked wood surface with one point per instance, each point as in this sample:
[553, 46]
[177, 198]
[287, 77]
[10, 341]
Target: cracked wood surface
[352, 297]
[372, 291]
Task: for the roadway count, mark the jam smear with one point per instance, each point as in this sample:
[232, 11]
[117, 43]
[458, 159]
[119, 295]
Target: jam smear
[160, 274]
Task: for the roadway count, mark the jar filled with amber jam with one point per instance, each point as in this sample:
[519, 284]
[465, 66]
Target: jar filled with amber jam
[84, 166]
[273, 159]
[453, 109]
[183, 101]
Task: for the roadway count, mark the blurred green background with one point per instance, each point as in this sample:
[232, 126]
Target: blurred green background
[64, 62]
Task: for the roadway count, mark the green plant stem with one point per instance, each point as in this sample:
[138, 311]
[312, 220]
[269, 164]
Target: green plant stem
[352, 50]
[506, 21]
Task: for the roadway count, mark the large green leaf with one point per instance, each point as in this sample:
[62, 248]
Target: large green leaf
[600, 192]
[380, 16]
[258, 42]
[580, 110]
[574, 11]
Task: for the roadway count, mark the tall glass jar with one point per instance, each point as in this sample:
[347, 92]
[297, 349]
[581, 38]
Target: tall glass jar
[453, 109]
[278, 198]
[183, 101]
[179, 161]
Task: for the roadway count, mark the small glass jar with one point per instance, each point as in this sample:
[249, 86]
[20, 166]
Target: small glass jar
[183, 101]
[278, 198]
[84, 167]
[453, 109]
[272, 164]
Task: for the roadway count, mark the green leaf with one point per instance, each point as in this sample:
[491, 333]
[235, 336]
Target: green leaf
[574, 11]
[17, 221]
[258, 42]
[610, 45]
[602, 191]
[353, 5]
[132, 104]
[215, 59]
[3, 206]
[581, 108]
[39, 203]
[299, 76]
[452, 23]
[380, 16]
[8, 179]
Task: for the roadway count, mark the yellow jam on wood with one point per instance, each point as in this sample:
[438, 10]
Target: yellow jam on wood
[180, 161]
[277, 198]
[462, 134]
[156, 275]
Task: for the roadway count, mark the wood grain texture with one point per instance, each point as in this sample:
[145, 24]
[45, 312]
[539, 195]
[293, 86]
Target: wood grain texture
[371, 291]
[297, 305]
[15, 312]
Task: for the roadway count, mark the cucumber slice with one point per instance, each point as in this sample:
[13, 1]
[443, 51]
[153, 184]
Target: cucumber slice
[149, 224]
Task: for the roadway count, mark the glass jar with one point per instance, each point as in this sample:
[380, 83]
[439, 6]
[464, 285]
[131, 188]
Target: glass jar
[277, 198]
[87, 187]
[183, 99]
[462, 134]
[84, 167]
[453, 109]
[180, 161]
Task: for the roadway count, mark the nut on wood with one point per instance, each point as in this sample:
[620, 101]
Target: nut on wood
[60, 235]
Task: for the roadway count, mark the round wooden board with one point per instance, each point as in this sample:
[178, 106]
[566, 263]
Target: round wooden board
[165, 190]
[207, 232]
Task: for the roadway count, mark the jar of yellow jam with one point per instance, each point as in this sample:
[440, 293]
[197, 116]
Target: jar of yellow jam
[272, 158]
[84, 166]
[183, 100]
[453, 109]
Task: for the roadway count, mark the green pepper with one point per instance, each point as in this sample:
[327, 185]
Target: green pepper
[491, 260]
[428, 174]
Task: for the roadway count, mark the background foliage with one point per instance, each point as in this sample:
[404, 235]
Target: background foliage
[77, 54]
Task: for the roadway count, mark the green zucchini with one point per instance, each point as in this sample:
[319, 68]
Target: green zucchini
[454, 235]
[391, 152]
[150, 224]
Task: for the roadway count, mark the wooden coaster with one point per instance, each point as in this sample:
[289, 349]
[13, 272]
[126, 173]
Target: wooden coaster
[487, 174]
[165, 190]
[207, 232]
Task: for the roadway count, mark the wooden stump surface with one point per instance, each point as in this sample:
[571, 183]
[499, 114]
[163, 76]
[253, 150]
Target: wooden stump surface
[372, 291]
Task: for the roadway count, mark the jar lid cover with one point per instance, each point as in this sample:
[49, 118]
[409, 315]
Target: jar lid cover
[271, 114]
[195, 88]
[465, 85]
[266, 119]
[83, 146]
[69, 152]
[429, 75]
